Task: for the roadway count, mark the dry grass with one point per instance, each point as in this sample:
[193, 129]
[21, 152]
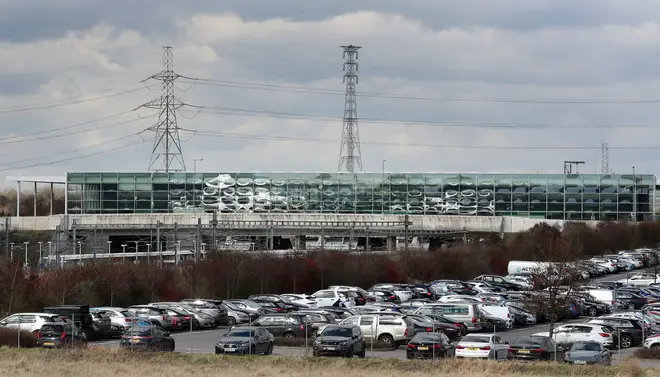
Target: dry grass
[9, 338]
[101, 362]
[648, 354]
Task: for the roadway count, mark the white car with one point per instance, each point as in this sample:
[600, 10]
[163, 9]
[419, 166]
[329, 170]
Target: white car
[306, 300]
[482, 346]
[610, 265]
[652, 341]
[463, 298]
[635, 262]
[581, 332]
[403, 294]
[500, 312]
[328, 297]
[31, 322]
[641, 280]
[480, 287]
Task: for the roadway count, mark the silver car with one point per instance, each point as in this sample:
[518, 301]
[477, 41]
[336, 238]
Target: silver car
[201, 319]
[31, 322]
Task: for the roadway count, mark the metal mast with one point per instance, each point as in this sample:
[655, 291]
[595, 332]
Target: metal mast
[605, 158]
[350, 155]
[167, 144]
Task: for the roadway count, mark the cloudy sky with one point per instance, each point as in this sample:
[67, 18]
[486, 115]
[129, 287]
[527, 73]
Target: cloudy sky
[470, 86]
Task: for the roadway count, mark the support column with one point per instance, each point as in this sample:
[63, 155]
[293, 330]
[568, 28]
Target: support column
[300, 242]
[51, 198]
[34, 201]
[18, 198]
[391, 243]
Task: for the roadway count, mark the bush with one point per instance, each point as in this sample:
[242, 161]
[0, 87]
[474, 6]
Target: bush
[9, 338]
[649, 354]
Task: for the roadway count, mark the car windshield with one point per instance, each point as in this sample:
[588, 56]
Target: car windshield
[528, 340]
[125, 313]
[475, 339]
[240, 334]
[341, 332]
[586, 346]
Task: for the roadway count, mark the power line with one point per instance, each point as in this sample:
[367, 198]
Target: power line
[74, 158]
[67, 151]
[412, 145]
[39, 73]
[112, 125]
[324, 91]
[67, 101]
[41, 132]
[408, 122]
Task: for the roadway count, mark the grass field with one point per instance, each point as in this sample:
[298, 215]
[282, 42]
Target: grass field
[112, 363]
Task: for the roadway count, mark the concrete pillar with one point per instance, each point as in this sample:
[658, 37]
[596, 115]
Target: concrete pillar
[34, 201]
[391, 243]
[300, 243]
[51, 198]
[367, 245]
[18, 198]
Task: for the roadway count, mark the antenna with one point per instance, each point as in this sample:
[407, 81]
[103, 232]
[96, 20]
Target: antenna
[605, 158]
[568, 166]
[167, 144]
[350, 155]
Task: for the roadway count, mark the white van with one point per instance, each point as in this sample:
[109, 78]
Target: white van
[517, 267]
[603, 295]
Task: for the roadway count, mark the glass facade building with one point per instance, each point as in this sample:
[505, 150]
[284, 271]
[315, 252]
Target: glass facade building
[550, 196]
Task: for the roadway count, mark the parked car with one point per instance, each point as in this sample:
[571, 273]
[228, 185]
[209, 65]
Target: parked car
[483, 346]
[588, 353]
[571, 333]
[286, 325]
[81, 316]
[246, 340]
[156, 314]
[468, 314]
[340, 340]
[391, 329]
[535, 348]
[430, 346]
[60, 335]
[147, 338]
[31, 322]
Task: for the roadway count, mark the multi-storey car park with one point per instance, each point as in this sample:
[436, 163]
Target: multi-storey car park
[155, 212]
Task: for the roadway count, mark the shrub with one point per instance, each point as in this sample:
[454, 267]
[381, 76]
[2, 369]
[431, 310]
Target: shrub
[9, 338]
[649, 354]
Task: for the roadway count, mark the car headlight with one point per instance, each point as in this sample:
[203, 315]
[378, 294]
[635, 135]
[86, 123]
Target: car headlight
[244, 345]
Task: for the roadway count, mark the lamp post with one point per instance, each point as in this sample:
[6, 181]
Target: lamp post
[11, 251]
[50, 249]
[79, 252]
[123, 252]
[26, 256]
[195, 183]
[41, 246]
[382, 203]
[148, 252]
[109, 247]
[176, 253]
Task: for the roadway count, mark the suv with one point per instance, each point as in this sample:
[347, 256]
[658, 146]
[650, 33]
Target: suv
[345, 341]
[158, 316]
[390, 329]
[466, 313]
[79, 314]
[286, 325]
[210, 307]
[31, 322]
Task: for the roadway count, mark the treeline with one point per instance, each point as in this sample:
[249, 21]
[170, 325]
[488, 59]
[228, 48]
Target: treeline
[8, 202]
[236, 274]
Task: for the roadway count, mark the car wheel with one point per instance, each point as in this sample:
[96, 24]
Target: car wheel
[631, 306]
[463, 330]
[363, 353]
[593, 312]
[269, 350]
[289, 335]
[387, 339]
[626, 341]
[231, 321]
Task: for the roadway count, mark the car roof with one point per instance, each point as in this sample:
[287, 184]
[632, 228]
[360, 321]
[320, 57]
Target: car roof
[37, 314]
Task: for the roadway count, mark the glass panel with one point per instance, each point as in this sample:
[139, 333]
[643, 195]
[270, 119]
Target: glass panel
[451, 189]
[416, 193]
[433, 197]
[75, 178]
[109, 177]
[92, 177]
[126, 177]
[520, 197]
[366, 200]
[297, 192]
[399, 193]
[537, 195]
[346, 187]
[503, 195]
[386, 191]
[573, 196]
[485, 195]
[160, 177]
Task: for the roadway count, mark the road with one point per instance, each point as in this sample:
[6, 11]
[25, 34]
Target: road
[203, 342]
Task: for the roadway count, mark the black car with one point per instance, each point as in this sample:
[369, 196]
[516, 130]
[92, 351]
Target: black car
[422, 324]
[456, 286]
[343, 313]
[499, 281]
[287, 325]
[628, 300]
[245, 341]
[147, 338]
[430, 346]
[60, 335]
[595, 308]
[626, 332]
[340, 340]
[385, 295]
[535, 348]
[442, 319]
[270, 307]
[80, 315]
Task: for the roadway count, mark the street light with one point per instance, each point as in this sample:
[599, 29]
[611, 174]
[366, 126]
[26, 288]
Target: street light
[176, 253]
[148, 252]
[26, 257]
[11, 251]
[194, 175]
[50, 249]
[123, 252]
[109, 247]
[41, 245]
[382, 203]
